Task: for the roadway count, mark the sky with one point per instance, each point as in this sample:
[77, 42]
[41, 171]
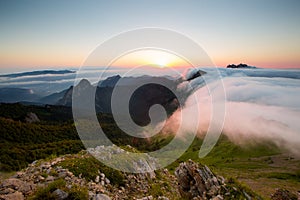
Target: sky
[61, 33]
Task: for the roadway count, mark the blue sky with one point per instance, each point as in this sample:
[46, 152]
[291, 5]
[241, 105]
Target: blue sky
[44, 34]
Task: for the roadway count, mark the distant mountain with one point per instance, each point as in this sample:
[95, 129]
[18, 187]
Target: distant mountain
[53, 98]
[110, 81]
[148, 90]
[12, 95]
[240, 66]
[35, 73]
[142, 99]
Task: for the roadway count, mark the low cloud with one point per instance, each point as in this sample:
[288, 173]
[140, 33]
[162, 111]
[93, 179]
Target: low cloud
[260, 105]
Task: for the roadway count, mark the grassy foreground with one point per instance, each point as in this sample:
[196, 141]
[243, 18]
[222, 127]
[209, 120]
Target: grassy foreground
[262, 167]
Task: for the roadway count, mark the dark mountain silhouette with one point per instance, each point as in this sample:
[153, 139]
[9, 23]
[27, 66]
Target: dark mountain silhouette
[240, 66]
[110, 81]
[35, 73]
[142, 99]
[148, 90]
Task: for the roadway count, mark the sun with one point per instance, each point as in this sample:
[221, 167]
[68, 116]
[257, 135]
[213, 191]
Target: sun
[156, 58]
[161, 61]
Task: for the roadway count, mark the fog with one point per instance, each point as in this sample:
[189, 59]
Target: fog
[260, 105]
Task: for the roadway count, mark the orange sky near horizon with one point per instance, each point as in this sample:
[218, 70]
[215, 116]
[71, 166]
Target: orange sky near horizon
[65, 61]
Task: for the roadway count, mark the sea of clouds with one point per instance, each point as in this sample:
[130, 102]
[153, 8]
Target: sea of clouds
[260, 105]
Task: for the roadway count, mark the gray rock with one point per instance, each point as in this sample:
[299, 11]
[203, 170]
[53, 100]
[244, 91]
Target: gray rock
[62, 174]
[50, 178]
[219, 197]
[17, 184]
[197, 182]
[107, 181]
[13, 196]
[101, 197]
[97, 179]
[31, 118]
[102, 183]
[60, 194]
[282, 194]
[7, 191]
[41, 178]
[247, 195]
[162, 198]
[102, 176]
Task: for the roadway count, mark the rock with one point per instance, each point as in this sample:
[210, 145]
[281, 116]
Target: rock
[107, 181]
[102, 176]
[97, 179]
[41, 178]
[13, 196]
[12, 183]
[91, 195]
[282, 194]
[162, 198]
[60, 194]
[17, 184]
[62, 174]
[7, 191]
[147, 198]
[31, 118]
[102, 183]
[101, 197]
[219, 197]
[50, 178]
[69, 174]
[247, 195]
[195, 182]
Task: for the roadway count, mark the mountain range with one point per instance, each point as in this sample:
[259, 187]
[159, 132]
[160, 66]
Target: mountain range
[140, 102]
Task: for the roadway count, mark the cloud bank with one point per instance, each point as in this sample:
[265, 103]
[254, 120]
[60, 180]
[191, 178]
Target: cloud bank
[260, 105]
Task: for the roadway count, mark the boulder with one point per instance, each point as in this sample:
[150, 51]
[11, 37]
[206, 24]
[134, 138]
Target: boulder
[197, 182]
[31, 118]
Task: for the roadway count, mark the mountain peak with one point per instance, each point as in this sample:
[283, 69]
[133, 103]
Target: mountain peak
[110, 81]
[84, 82]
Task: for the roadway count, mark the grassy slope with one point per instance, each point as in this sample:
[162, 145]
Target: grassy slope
[263, 167]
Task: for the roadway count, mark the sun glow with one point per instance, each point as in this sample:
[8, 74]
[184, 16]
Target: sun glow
[156, 58]
[161, 62]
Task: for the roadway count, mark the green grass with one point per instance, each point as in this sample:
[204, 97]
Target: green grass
[229, 155]
[283, 176]
[251, 165]
[88, 167]
[75, 192]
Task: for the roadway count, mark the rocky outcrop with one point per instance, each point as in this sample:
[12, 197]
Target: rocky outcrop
[31, 118]
[140, 164]
[196, 182]
[282, 194]
[40, 174]
[191, 181]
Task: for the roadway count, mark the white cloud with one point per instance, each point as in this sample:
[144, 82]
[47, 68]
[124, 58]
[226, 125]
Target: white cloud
[259, 105]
